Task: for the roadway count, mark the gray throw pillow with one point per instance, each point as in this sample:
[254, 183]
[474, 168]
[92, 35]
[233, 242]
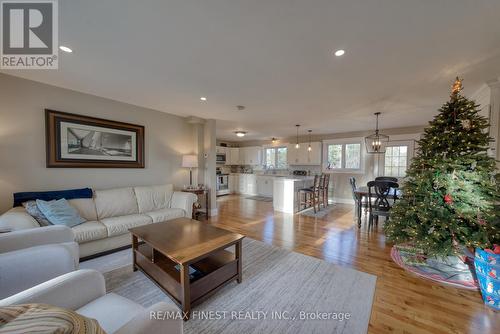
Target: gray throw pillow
[33, 210]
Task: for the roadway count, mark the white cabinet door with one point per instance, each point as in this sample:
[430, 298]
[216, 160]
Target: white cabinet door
[220, 149]
[268, 186]
[228, 157]
[234, 183]
[261, 185]
[292, 155]
[252, 156]
[303, 154]
[234, 156]
[297, 156]
[314, 156]
[265, 186]
[242, 156]
[251, 184]
[242, 181]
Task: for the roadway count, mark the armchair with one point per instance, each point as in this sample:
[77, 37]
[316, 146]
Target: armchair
[84, 291]
[30, 257]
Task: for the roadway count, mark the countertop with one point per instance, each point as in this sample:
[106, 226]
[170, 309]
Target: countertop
[281, 177]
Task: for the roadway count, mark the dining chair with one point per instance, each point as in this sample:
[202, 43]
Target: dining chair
[310, 196]
[358, 202]
[324, 186]
[386, 178]
[384, 194]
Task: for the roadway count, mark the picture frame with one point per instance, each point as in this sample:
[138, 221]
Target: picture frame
[79, 141]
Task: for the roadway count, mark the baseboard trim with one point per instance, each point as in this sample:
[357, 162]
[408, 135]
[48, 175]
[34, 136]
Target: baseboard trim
[343, 200]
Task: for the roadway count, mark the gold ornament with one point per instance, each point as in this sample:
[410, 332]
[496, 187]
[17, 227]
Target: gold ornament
[466, 124]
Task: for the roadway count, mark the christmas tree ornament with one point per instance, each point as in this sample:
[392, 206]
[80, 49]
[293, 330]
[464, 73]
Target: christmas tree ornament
[466, 124]
[448, 199]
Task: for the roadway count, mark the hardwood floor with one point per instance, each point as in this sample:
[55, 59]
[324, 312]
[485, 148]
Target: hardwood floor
[403, 302]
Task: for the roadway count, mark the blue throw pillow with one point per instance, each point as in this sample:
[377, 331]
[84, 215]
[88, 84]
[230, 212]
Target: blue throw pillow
[60, 212]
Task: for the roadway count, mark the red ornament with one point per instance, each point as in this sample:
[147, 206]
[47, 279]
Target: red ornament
[448, 199]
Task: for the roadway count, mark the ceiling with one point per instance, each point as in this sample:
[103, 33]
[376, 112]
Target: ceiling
[276, 58]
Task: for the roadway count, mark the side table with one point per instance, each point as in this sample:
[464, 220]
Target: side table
[199, 192]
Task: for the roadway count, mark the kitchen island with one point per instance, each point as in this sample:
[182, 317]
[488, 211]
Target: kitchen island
[286, 192]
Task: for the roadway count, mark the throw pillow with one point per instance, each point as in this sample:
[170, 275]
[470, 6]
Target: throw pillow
[41, 318]
[33, 210]
[60, 212]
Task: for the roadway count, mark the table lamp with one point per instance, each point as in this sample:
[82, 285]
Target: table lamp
[190, 161]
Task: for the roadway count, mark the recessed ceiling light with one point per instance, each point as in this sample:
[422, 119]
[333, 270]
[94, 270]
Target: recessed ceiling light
[240, 133]
[339, 53]
[203, 98]
[65, 49]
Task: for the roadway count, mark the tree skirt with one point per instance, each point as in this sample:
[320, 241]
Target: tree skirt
[450, 270]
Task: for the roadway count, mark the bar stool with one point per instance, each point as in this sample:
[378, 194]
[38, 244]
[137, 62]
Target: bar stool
[311, 195]
[324, 190]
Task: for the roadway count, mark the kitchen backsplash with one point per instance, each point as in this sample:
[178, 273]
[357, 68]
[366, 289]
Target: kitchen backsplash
[259, 169]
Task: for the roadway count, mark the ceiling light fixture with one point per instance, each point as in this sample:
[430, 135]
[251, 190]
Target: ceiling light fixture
[309, 148]
[274, 140]
[339, 53]
[65, 49]
[297, 144]
[374, 143]
[240, 133]
[203, 98]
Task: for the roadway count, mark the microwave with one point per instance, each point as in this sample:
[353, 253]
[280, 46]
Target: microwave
[221, 158]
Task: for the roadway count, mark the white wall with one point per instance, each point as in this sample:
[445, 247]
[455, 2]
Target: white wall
[22, 141]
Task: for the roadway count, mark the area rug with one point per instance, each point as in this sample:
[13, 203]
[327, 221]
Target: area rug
[450, 271]
[281, 292]
[260, 198]
[318, 214]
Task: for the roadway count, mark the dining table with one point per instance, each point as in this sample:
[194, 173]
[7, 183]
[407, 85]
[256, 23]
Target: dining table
[362, 191]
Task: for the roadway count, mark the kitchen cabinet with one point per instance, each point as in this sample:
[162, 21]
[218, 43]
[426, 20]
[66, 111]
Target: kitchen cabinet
[220, 150]
[246, 184]
[234, 183]
[251, 184]
[233, 156]
[265, 186]
[250, 155]
[302, 156]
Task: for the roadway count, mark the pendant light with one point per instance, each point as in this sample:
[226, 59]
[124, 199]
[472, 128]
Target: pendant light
[375, 142]
[297, 146]
[309, 148]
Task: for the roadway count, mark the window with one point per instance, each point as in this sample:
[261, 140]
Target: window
[334, 156]
[352, 156]
[396, 161]
[344, 155]
[275, 158]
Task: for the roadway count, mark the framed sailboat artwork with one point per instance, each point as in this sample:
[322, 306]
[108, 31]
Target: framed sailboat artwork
[78, 141]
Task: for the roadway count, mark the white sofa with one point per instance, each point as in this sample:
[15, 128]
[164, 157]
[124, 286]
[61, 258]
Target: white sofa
[111, 212]
[84, 291]
[30, 257]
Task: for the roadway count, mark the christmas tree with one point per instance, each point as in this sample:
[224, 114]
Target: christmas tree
[451, 192]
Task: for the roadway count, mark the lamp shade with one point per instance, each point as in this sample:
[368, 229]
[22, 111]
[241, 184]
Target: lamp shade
[190, 161]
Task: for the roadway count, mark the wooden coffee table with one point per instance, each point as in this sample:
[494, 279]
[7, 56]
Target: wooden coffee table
[170, 248]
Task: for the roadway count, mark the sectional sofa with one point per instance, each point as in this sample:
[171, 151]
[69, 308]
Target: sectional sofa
[111, 212]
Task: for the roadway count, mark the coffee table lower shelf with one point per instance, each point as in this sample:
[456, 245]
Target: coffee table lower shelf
[216, 270]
